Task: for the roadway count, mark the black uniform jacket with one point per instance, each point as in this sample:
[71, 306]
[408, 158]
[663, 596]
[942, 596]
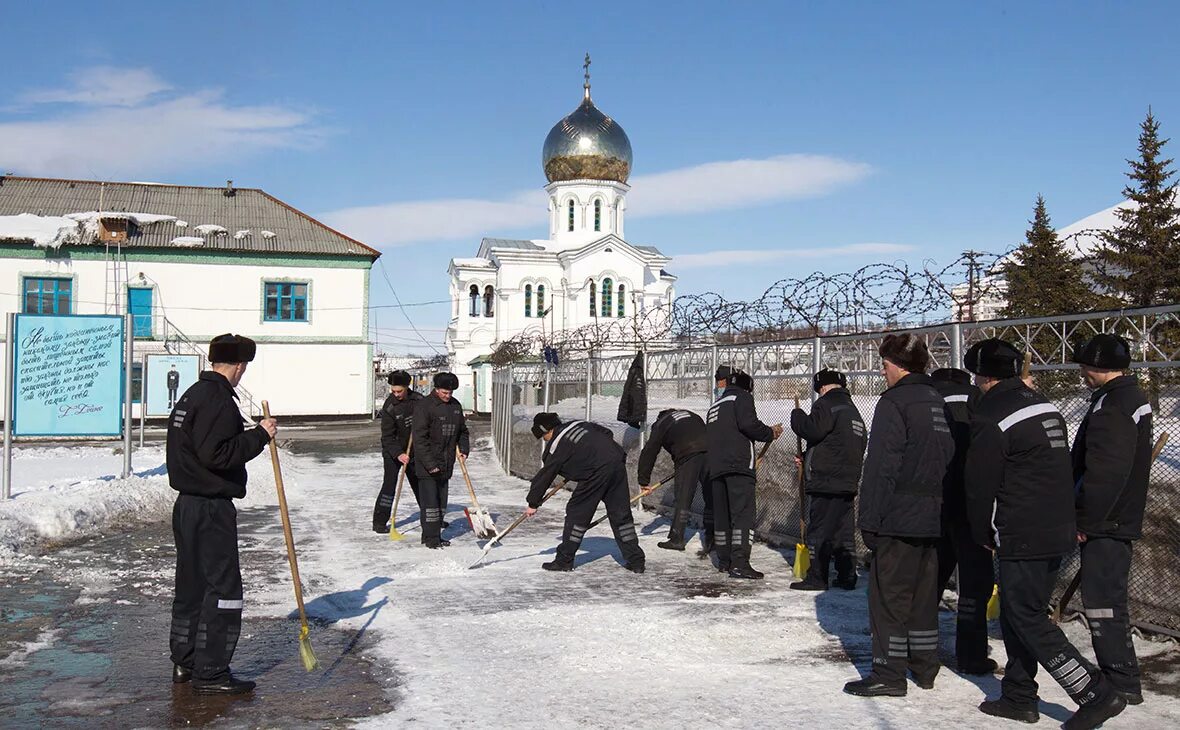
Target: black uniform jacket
[397, 418]
[960, 402]
[836, 438]
[682, 433]
[578, 451]
[208, 444]
[732, 427]
[438, 427]
[1112, 461]
[1020, 497]
[910, 449]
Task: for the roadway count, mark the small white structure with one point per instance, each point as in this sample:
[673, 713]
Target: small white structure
[586, 272]
[166, 254]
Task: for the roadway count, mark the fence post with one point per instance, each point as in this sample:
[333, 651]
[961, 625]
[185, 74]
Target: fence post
[956, 345]
[9, 386]
[712, 369]
[129, 359]
[589, 381]
[510, 416]
[817, 359]
[643, 424]
[548, 370]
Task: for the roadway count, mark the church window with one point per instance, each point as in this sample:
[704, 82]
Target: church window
[488, 297]
[607, 292]
[622, 300]
[528, 300]
[474, 296]
[540, 300]
[593, 299]
[571, 215]
[598, 215]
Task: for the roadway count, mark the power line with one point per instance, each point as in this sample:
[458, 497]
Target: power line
[396, 298]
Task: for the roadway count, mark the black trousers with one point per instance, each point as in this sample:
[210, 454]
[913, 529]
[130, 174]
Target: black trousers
[976, 578]
[432, 503]
[1105, 564]
[830, 535]
[207, 608]
[385, 497]
[1031, 638]
[689, 476]
[903, 608]
[734, 507]
[608, 486]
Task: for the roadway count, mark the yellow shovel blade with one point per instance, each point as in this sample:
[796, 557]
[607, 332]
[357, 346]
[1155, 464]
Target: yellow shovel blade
[993, 604]
[802, 560]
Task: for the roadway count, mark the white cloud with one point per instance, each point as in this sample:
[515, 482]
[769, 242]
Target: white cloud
[103, 86]
[732, 257]
[698, 189]
[140, 132]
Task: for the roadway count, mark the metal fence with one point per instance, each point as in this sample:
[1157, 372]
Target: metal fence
[683, 378]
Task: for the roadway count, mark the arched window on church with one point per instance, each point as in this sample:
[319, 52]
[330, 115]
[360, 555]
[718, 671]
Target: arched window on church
[489, 295]
[607, 291]
[598, 215]
[593, 300]
[571, 215]
[473, 295]
[528, 300]
[622, 301]
[540, 300]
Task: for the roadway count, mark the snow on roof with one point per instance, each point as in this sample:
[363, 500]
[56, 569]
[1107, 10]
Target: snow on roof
[1084, 235]
[181, 224]
[188, 241]
[242, 234]
[49, 231]
[209, 228]
[268, 234]
[139, 219]
[472, 262]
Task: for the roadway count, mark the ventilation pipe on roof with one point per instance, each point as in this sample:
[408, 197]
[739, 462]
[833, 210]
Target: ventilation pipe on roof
[229, 189]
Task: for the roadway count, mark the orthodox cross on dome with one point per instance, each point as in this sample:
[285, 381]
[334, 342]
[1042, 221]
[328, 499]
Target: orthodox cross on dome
[586, 68]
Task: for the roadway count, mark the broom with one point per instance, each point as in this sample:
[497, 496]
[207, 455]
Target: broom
[401, 478]
[802, 554]
[306, 654]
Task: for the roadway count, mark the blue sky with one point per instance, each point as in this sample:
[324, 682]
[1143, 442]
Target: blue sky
[876, 131]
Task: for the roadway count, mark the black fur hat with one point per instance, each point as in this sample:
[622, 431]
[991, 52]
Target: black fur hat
[399, 377]
[229, 348]
[1105, 352]
[446, 381]
[906, 351]
[724, 372]
[828, 377]
[543, 423]
[993, 358]
[952, 375]
[743, 380]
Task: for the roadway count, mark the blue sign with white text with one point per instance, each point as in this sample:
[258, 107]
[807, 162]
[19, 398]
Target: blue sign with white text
[68, 375]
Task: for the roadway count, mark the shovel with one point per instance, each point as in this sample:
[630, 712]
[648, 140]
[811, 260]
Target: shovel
[642, 493]
[802, 554]
[515, 524]
[401, 479]
[481, 522]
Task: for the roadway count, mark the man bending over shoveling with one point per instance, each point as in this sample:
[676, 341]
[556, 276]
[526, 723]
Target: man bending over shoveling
[586, 453]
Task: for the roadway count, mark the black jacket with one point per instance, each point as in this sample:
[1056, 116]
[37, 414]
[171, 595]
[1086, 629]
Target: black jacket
[960, 402]
[633, 403]
[1019, 493]
[438, 427]
[682, 433]
[208, 444]
[173, 379]
[397, 418]
[732, 427]
[910, 449]
[1112, 461]
[836, 438]
[578, 451]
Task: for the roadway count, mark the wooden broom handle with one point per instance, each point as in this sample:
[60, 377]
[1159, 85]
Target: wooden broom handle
[274, 459]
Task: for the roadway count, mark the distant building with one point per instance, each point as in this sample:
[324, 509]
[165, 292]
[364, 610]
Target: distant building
[190, 263]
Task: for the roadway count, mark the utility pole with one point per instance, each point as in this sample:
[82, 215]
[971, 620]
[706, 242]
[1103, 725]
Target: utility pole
[972, 257]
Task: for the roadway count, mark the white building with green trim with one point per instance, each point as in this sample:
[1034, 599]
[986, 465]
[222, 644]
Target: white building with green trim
[190, 263]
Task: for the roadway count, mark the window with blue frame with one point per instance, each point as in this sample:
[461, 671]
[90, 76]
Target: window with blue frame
[285, 301]
[45, 295]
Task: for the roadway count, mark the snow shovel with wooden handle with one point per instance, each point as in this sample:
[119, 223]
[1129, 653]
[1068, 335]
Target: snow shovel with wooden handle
[481, 522]
[397, 496]
[515, 524]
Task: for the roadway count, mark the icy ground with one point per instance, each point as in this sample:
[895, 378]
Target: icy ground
[510, 645]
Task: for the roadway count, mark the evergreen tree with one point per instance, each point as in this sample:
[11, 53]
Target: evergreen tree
[1139, 262]
[1043, 279]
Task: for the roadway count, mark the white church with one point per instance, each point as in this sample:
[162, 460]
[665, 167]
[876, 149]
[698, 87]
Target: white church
[586, 272]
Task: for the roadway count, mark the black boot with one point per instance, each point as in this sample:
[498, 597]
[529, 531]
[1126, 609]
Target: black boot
[872, 687]
[436, 544]
[672, 543]
[745, 571]
[1094, 714]
[979, 669]
[180, 674]
[1009, 710]
[1133, 698]
[706, 544]
[381, 528]
[807, 584]
[636, 566]
[227, 686]
[559, 566]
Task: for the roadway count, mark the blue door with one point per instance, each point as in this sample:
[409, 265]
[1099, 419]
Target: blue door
[140, 302]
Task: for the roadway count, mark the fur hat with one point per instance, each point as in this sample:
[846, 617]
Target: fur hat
[828, 377]
[399, 377]
[446, 381]
[993, 358]
[1105, 352]
[724, 372]
[743, 380]
[229, 348]
[952, 375]
[906, 351]
[543, 423]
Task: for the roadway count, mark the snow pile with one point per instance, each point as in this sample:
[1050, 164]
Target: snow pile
[181, 224]
[241, 234]
[139, 219]
[211, 228]
[268, 234]
[188, 241]
[23, 651]
[473, 262]
[47, 231]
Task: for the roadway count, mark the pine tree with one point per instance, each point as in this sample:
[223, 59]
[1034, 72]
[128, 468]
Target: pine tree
[1043, 279]
[1139, 262]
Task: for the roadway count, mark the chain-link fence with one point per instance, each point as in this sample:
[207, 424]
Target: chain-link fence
[590, 388]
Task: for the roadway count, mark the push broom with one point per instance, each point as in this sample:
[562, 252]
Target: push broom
[802, 554]
[401, 479]
[306, 654]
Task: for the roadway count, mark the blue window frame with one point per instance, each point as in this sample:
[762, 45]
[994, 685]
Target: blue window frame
[48, 295]
[139, 301]
[285, 301]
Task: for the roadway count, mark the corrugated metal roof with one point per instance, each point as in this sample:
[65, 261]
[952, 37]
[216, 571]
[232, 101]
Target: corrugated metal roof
[511, 243]
[247, 209]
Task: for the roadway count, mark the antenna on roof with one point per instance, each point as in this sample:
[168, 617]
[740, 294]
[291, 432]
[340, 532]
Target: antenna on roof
[229, 189]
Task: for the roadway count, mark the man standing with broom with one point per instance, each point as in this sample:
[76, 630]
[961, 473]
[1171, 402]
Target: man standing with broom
[397, 417]
[439, 426]
[207, 450]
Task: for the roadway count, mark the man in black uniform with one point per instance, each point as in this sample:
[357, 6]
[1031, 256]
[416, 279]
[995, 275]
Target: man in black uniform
[956, 547]
[438, 426]
[732, 427]
[207, 451]
[909, 451]
[1111, 466]
[397, 416]
[836, 437]
[1020, 503]
[586, 453]
[682, 434]
[173, 383]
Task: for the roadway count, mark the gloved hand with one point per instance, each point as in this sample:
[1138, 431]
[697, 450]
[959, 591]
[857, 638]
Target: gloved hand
[870, 539]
